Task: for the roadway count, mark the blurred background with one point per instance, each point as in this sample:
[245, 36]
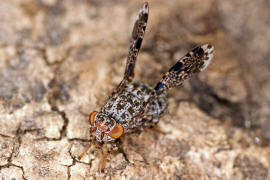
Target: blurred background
[60, 59]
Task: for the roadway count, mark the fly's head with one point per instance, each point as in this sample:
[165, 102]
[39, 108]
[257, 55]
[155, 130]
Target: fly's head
[104, 128]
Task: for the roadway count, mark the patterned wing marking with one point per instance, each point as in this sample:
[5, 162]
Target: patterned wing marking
[193, 62]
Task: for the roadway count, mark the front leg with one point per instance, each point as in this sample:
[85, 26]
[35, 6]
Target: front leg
[135, 45]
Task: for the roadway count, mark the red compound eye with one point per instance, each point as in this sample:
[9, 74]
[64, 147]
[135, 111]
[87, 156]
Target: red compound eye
[117, 131]
[92, 118]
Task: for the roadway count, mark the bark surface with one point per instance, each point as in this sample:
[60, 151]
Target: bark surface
[60, 60]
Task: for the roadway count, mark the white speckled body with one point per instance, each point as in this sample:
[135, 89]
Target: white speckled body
[134, 105]
[127, 106]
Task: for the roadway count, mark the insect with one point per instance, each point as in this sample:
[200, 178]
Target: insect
[133, 105]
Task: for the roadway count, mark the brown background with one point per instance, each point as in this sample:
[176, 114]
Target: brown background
[59, 60]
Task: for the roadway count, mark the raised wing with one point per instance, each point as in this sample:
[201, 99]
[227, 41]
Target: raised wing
[135, 45]
[193, 62]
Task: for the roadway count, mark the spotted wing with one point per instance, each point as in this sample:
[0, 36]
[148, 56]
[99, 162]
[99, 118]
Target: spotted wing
[193, 62]
[135, 45]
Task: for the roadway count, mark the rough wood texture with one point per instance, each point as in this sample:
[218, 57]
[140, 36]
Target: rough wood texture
[59, 60]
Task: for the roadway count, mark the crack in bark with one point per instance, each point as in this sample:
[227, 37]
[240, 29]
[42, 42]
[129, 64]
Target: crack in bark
[14, 165]
[53, 96]
[14, 150]
[6, 136]
[73, 163]
[48, 139]
[19, 140]
[80, 140]
[58, 63]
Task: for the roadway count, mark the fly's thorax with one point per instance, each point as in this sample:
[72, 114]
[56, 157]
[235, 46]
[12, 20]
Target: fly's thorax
[127, 104]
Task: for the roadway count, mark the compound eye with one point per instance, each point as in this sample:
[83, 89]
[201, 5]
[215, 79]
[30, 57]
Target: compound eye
[92, 118]
[116, 132]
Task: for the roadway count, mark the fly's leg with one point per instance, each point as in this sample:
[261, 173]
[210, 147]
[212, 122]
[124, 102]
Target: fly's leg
[85, 151]
[104, 154]
[135, 45]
